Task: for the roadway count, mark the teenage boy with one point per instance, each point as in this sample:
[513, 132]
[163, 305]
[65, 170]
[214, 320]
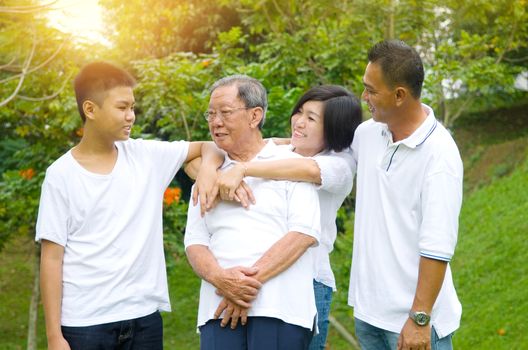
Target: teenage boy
[103, 276]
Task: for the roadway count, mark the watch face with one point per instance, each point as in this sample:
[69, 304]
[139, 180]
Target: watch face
[421, 319]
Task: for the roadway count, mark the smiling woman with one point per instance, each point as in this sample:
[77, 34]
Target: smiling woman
[81, 18]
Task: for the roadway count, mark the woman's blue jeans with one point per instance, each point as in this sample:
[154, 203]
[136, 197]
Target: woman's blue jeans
[323, 300]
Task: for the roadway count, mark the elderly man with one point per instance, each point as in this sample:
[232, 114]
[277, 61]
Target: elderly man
[254, 264]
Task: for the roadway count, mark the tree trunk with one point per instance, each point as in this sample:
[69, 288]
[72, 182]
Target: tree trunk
[389, 31]
[33, 307]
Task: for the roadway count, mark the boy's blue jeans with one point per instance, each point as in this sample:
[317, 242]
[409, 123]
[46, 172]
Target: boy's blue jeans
[323, 299]
[145, 333]
[374, 338]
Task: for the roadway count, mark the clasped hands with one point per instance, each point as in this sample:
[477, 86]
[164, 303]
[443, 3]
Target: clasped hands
[238, 286]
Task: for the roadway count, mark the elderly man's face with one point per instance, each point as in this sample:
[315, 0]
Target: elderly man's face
[228, 118]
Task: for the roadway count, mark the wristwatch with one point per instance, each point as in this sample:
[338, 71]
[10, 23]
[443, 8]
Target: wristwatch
[420, 318]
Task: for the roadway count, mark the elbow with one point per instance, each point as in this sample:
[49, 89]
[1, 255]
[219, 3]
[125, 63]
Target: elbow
[308, 241]
[314, 173]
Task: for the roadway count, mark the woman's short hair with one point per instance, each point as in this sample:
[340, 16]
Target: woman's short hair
[341, 114]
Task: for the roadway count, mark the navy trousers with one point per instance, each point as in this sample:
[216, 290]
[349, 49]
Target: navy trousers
[260, 333]
[144, 333]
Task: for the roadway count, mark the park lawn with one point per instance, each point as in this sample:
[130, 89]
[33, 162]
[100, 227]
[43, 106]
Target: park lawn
[490, 265]
[16, 285]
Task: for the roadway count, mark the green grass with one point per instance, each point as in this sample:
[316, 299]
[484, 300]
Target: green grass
[180, 324]
[16, 284]
[490, 265]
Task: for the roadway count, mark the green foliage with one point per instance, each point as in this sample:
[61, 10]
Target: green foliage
[158, 28]
[173, 96]
[174, 218]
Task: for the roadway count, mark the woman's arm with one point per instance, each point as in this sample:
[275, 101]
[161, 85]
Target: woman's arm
[293, 169]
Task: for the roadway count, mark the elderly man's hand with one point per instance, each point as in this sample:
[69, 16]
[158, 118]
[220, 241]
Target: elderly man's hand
[237, 285]
[232, 313]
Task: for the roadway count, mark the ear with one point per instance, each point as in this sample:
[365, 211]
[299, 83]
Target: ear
[400, 95]
[89, 108]
[256, 116]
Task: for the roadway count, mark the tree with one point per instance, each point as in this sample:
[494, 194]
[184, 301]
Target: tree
[37, 117]
[166, 27]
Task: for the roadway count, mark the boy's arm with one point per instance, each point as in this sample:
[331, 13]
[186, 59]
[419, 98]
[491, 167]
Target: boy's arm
[205, 172]
[51, 289]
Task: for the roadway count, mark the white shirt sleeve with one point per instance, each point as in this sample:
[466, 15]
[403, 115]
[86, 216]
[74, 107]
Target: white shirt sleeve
[303, 210]
[195, 231]
[441, 203]
[337, 171]
[53, 214]
[168, 157]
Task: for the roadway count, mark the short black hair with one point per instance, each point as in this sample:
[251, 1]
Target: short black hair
[341, 114]
[400, 64]
[95, 79]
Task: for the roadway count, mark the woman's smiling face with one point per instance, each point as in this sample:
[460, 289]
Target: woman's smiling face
[308, 129]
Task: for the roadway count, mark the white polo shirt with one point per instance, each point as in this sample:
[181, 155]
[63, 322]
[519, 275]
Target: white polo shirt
[239, 237]
[409, 195]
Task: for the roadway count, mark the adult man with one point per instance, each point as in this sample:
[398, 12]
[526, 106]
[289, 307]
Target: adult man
[409, 194]
[238, 251]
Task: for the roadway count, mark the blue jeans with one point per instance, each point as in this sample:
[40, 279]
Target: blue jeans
[374, 338]
[323, 299]
[144, 333]
[259, 333]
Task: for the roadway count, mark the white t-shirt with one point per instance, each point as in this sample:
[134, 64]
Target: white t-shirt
[409, 195]
[239, 237]
[336, 184]
[111, 230]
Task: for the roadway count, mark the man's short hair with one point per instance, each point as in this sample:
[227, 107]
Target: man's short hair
[95, 79]
[250, 91]
[400, 64]
[342, 114]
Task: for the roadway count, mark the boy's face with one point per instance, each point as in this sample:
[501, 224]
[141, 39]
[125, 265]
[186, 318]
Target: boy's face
[115, 117]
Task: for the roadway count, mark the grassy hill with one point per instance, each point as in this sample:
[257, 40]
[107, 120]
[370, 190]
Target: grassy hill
[490, 265]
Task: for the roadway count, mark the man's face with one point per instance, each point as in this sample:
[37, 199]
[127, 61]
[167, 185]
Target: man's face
[380, 98]
[228, 122]
[115, 117]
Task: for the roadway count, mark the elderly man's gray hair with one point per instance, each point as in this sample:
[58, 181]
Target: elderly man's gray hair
[250, 91]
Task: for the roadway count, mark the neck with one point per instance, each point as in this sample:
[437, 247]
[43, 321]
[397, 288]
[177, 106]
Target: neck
[407, 120]
[248, 149]
[92, 143]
